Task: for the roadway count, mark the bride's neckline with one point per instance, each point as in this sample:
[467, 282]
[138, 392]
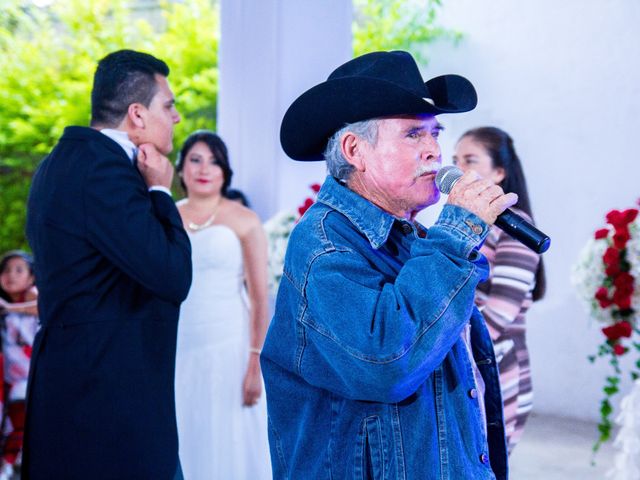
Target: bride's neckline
[210, 227]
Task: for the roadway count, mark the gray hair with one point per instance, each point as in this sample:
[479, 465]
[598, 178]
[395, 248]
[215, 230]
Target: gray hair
[337, 165]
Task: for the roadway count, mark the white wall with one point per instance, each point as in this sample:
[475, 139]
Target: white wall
[563, 78]
[272, 51]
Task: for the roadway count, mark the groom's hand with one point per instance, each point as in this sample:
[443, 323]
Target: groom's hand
[154, 167]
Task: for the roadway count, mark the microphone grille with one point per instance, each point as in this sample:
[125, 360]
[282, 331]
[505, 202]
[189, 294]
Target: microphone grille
[447, 178]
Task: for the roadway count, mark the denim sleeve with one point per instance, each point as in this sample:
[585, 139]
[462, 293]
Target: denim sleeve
[368, 338]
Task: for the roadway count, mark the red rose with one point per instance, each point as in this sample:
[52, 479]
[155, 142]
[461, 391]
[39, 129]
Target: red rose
[622, 300]
[624, 282]
[27, 349]
[305, 206]
[615, 218]
[625, 328]
[315, 187]
[618, 330]
[611, 256]
[619, 349]
[602, 295]
[620, 219]
[612, 270]
[630, 214]
[613, 332]
[602, 233]
[621, 237]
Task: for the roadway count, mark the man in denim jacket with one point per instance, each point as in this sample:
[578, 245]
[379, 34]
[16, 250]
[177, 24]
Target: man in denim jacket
[377, 364]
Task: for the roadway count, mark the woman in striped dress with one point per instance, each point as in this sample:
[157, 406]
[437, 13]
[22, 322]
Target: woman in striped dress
[517, 273]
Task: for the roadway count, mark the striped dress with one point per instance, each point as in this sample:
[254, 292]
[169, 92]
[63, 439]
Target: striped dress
[504, 300]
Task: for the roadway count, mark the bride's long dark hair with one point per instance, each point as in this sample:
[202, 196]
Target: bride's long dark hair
[499, 146]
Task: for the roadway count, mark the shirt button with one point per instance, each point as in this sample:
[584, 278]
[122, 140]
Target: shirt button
[406, 228]
[484, 458]
[475, 228]
[473, 393]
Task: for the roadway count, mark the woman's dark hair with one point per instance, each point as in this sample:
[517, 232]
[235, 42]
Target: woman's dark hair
[217, 147]
[499, 146]
[122, 78]
[238, 196]
[4, 261]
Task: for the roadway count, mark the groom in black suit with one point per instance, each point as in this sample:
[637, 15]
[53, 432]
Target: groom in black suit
[113, 264]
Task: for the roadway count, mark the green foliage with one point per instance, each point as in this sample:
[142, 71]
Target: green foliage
[398, 25]
[47, 59]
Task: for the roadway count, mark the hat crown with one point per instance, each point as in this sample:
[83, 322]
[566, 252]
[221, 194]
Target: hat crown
[395, 67]
[374, 85]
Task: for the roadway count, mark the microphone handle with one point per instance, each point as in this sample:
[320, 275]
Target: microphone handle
[523, 231]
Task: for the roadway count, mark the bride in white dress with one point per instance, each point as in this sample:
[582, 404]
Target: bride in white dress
[220, 406]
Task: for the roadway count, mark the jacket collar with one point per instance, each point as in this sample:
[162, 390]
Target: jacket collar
[91, 134]
[369, 219]
[122, 139]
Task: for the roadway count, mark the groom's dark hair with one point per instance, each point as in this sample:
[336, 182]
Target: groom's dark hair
[122, 78]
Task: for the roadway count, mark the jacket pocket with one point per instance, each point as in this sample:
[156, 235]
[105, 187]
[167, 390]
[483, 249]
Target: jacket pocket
[370, 451]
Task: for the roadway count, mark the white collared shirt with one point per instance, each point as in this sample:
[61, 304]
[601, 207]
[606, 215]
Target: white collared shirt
[122, 138]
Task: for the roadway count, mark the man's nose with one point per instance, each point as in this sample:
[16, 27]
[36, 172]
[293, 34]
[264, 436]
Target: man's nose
[431, 148]
[176, 117]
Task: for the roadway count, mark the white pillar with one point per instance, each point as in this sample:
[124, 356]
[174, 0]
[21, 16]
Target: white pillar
[270, 52]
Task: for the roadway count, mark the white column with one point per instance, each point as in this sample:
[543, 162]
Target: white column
[270, 52]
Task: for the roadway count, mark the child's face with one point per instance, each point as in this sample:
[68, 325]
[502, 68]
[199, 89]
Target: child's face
[16, 278]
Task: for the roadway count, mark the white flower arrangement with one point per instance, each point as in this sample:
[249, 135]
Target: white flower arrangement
[588, 275]
[607, 280]
[278, 229]
[626, 465]
[599, 263]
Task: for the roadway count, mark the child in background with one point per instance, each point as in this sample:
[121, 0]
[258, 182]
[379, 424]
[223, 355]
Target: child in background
[19, 323]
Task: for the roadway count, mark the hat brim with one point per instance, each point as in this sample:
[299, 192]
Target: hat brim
[322, 110]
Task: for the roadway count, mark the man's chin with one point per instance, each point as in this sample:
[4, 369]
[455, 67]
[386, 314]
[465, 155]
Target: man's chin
[432, 199]
[166, 150]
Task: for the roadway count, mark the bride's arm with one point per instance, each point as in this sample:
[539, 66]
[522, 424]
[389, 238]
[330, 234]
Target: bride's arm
[254, 250]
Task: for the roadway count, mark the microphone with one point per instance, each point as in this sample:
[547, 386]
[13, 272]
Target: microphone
[508, 221]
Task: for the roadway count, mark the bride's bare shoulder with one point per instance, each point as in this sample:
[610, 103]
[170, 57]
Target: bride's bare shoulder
[241, 219]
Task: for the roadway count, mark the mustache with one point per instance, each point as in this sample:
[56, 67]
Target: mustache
[430, 167]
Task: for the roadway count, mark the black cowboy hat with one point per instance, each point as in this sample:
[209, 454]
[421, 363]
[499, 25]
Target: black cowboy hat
[378, 84]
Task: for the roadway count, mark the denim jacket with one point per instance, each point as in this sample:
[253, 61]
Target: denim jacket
[366, 372]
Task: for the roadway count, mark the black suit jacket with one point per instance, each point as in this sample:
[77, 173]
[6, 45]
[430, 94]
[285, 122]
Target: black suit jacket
[113, 264]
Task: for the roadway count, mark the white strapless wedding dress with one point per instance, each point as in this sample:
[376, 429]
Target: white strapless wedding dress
[220, 439]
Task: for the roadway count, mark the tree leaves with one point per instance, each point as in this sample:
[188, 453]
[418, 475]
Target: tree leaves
[48, 57]
[398, 25]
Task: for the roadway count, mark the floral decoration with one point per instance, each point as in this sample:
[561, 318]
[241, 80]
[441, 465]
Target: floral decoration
[605, 278]
[626, 462]
[278, 229]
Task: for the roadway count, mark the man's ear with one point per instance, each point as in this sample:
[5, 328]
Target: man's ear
[352, 149]
[136, 113]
